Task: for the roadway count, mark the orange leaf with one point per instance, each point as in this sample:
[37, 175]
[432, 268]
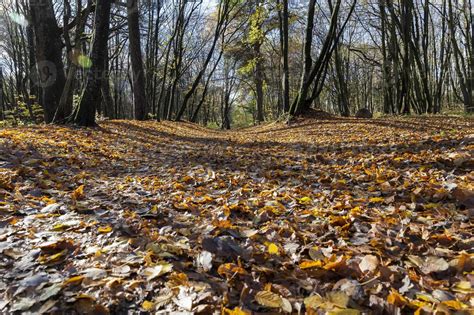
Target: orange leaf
[78, 194]
[396, 298]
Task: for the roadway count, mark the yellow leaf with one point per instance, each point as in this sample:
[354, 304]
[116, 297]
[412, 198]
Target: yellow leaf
[52, 259]
[356, 211]
[78, 194]
[273, 249]
[60, 227]
[425, 298]
[148, 306]
[105, 229]
[235, 311]
[396, 299]
[268, 299]
[463, 287]
[377, 199]
[311, 264]
[305, 200]
[73, 280]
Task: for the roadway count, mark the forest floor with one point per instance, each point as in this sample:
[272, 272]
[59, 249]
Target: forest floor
[337, 215]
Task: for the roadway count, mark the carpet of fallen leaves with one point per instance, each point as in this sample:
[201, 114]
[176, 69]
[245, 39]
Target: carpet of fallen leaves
[338, 216]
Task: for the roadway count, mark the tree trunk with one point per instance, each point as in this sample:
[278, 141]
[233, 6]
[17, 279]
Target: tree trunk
[49, 62]
[2, 101]
[285, 79]
[91, 97]
[343, 93]
[315, 73]
[139, 95]
[259, 82]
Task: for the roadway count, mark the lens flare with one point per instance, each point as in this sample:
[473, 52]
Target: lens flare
[84, 61]
[19, 19]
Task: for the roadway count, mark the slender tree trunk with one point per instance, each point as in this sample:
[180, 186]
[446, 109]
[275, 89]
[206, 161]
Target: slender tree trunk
[386, 78]
[2, 100]
[139, 95]
[343, 93]
[107, 100]
[285, 79]
[314, 73]
[469, 108]
[259, 82]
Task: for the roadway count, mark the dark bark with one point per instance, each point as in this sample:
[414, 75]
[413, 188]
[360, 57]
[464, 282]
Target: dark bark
[49, 62]
[386, 77]
[314, 74]
[72, 52]
[2, 100]
[91, 97]
[107, 100]
[259, 73]
[342, 93]
[139, 96]
[206, 87]
[285, 79]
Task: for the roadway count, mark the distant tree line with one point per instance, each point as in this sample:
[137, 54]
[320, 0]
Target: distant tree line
[232, 62]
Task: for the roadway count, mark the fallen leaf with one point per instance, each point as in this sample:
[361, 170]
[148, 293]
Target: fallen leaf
[78, 193]
[369, 263]
[311, 264]
[273, 249]
[204, 260]
[268, 299]
[434, 264]
[148, 305]
[104, 229]
[396, 299]
[154, 272]
[235, 311]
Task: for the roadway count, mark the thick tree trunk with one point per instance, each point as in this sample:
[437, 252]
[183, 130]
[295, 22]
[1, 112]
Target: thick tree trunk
[49, 62]
[91, 97]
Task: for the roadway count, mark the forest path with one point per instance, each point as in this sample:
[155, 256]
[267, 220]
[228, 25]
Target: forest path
[177, 217]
